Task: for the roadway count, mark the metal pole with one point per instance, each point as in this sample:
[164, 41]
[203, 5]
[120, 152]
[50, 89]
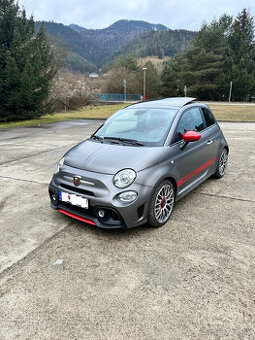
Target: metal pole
[230, 92]
[125, 89]
[185, 90]
[144, 83]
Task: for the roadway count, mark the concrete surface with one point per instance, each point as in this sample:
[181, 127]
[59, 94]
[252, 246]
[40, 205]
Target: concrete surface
[61, 279]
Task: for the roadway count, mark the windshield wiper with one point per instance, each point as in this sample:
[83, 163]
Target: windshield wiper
[125, 140]
[96, 137]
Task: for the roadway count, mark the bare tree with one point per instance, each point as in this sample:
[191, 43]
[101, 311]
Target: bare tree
[70, 92]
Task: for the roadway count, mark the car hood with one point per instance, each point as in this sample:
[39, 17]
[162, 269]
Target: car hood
[110, 158]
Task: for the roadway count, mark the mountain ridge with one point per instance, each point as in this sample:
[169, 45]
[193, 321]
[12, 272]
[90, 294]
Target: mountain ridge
[136, 37]
[114, 36]
[144, 25]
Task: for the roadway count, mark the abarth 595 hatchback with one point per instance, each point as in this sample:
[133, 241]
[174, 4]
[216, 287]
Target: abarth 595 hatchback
[138, 163]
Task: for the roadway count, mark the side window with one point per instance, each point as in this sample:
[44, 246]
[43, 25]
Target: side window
[208, 117]
[191, 120]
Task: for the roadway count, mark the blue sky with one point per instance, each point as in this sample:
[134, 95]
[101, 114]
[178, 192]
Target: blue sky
[187, 14]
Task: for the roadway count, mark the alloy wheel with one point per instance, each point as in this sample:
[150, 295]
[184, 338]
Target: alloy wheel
[164, 203]
[223, 162]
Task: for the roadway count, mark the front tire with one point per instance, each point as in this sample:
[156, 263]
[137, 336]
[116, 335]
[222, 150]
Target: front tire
[161, 205]
[222, 164]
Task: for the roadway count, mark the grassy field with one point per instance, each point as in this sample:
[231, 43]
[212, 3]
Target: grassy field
[222, 112]
[156, 61]
[244, 113]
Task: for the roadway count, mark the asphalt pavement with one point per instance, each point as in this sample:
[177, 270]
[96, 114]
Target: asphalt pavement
[194, 278]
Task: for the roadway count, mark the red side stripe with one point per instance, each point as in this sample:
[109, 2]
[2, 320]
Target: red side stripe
[195, 172]
[76, 217]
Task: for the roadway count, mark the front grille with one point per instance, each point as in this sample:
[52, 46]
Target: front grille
[75, 189]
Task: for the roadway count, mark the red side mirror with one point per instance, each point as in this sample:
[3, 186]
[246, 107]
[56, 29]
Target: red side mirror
[191, 136]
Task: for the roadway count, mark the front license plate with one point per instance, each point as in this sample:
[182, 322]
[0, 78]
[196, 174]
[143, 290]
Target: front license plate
[73, 199]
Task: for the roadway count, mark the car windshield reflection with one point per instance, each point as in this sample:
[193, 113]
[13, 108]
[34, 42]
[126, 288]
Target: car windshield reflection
[142, 126]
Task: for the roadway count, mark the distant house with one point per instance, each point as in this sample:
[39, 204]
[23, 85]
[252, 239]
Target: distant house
[93, 75]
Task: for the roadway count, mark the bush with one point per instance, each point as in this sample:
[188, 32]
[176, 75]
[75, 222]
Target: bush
[70, 92]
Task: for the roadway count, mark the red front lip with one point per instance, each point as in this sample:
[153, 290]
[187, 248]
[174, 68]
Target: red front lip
[77, 217]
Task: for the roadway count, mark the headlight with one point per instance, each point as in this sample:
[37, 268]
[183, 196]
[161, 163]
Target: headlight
[124, 178]
[59, 165]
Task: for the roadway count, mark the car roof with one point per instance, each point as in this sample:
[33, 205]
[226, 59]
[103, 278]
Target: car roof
[176, 102]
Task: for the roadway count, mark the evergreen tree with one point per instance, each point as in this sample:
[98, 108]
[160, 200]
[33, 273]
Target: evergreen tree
[202, 71]
[26, 65]
[128, 62]
[223, 51]
[240, 59]
[171, 78]
[152, 81]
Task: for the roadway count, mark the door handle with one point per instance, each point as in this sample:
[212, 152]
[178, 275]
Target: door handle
[209, 142]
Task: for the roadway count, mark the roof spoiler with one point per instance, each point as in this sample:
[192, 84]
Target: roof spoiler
[184, 100]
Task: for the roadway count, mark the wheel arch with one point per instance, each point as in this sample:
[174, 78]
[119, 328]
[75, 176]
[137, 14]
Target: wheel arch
[168, 178]
[173, 181]
[152, 220]
[221, 148]
[226, 147]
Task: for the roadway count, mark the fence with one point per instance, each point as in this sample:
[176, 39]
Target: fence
[118, 97]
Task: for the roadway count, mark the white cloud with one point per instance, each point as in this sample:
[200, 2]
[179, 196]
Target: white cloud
[101, 13]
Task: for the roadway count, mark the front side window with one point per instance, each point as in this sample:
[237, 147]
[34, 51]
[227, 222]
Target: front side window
[191, 120]
[147, 126]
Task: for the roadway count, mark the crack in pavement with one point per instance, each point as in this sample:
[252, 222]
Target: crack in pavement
[226, 196]
[20, 137]
[23, 180]
[54, 132]
[38, 153]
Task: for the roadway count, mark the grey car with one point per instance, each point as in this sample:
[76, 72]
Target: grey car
[142, 160]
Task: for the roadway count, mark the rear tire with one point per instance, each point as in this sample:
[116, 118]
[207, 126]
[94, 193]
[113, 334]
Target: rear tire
[222, 164]
[161, 205]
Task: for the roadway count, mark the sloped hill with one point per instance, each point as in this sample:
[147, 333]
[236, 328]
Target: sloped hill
[114, 36]
[93, 48]
[75, 41]
[158, 43]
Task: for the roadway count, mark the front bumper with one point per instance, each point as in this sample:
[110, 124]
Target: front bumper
[88, 216]
[102, 194]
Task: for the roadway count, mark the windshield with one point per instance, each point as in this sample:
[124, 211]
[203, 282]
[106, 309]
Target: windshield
[146, 126]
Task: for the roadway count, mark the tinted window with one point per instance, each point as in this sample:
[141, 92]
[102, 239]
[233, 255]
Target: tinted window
[208, 117]
[191, 120]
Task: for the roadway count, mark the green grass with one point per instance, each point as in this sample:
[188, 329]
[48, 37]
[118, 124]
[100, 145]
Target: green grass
[245, 113]
[91, 112]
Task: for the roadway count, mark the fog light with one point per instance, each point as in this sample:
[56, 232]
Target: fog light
[128, 196]
[101, 213]
[55, 198]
